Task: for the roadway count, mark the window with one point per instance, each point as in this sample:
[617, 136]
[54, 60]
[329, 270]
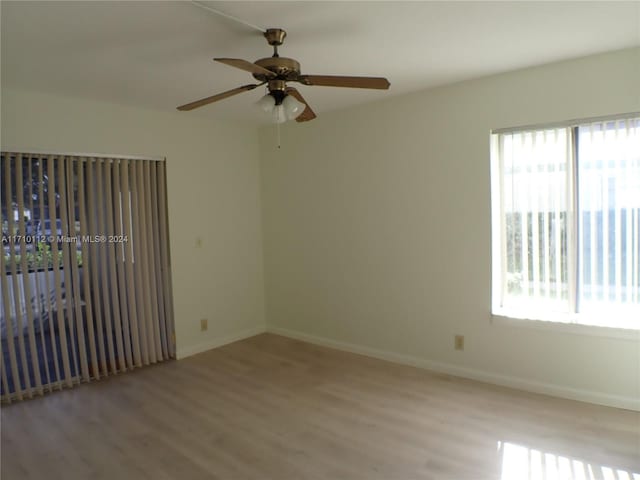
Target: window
[566, 222]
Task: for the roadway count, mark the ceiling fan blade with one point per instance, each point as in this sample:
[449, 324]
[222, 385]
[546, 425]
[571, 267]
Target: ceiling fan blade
[340, 81]
[219, 96]
[245, 65]
[307, 114]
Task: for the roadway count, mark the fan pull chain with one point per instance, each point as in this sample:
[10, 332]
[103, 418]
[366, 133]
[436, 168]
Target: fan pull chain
[278, 130]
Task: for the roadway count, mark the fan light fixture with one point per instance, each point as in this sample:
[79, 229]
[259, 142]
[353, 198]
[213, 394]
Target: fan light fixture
[287, 109]
[283, 102]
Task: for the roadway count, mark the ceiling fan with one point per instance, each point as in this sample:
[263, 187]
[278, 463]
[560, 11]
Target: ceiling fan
[282, 101]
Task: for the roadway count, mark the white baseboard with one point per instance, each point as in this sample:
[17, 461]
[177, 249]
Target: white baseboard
[555, 390]
[218, 342]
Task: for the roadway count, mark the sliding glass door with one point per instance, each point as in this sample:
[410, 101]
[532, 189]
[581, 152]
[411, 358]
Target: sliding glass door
[85, 279]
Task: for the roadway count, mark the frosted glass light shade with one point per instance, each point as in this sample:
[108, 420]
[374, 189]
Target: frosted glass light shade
[266, 103]
[292, 107]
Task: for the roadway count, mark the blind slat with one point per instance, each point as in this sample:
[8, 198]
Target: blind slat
[75, 306]
[120, 259]
[94, 367]
[18, 295]
[66, 305]
[54, 170]
[136, 209]
[49, 299]
[110, 270]
[26, 300]
[40, 292]
[94, 254]
[127, 205]
[7, 301]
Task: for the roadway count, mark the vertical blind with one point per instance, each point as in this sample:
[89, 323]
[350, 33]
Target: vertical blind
[566, 221]
[536, 222]
[609, 204]
[85, 278]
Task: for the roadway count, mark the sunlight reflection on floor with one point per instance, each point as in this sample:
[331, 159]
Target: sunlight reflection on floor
[521, 462]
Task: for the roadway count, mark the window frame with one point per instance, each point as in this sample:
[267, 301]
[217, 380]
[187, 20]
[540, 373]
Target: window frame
[573, 321]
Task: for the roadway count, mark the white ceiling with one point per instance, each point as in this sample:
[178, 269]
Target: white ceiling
[159, 54]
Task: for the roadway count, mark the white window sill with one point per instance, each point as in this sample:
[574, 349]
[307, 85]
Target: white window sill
[562, 325]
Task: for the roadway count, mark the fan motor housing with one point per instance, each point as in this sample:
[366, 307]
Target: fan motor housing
[285, 68]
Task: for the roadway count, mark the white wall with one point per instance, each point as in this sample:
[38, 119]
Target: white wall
[377, 230]
[213, 194]
[376, 221]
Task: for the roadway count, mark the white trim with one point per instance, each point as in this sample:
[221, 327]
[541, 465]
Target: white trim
[567, 123]
[498, 250]
[184, 352]
[35, 151]
[600, 398]
[557, 326]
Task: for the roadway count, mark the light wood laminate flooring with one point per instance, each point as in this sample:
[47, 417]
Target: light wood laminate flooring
[277, 409]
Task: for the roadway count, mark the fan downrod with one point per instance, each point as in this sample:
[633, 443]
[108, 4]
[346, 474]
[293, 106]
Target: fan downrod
[275, 38]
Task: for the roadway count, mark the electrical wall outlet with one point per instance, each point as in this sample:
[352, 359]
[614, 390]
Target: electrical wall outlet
[458, 342]
[204, 324]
